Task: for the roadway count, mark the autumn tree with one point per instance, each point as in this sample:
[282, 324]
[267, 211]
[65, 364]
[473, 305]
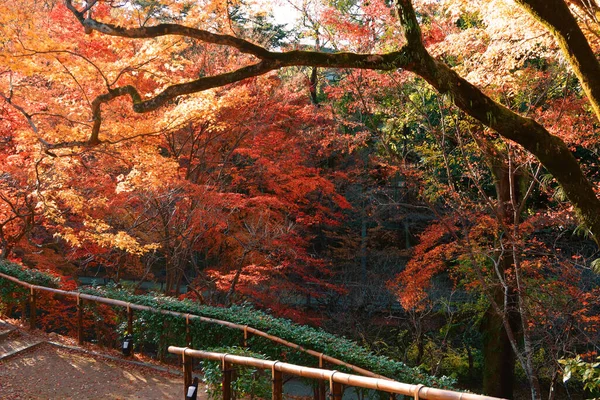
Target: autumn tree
[226, 183]
[19, 211]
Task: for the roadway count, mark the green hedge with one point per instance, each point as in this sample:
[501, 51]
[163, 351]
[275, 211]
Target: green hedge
[208, 336]
[160, 331]
[32, 276]
[12, 294]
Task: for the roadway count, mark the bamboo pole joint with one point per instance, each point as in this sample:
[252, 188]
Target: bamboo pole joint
[331, 380]
[273, 369]
[223, 360]
[417, 390]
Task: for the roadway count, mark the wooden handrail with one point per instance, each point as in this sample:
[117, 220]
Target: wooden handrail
[386, 385]
[244, 328]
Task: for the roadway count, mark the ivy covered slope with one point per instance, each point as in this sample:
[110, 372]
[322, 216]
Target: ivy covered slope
[12, 294]
[32, 276]
[208, 336]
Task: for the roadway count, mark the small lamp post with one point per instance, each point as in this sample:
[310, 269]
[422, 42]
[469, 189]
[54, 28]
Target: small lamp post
[192, 390]
[127, 345]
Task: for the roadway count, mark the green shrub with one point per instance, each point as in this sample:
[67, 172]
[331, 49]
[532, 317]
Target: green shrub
[588, 373]
[246, 382]
[12, 294]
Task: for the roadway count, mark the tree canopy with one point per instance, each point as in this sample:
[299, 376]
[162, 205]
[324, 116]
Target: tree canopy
[412, 56]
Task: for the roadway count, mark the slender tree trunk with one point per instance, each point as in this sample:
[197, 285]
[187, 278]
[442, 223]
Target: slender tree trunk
[527, 345]
[235, 280]
[363, 247]
[178, 279]
[420, 348]
[169, 276]
[470, 359]
[313, 86]
[498, 354]
[419, 336]
[3, 251]
[552, 391]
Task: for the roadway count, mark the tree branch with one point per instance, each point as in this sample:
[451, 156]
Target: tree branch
[559, 20]
[552, 152]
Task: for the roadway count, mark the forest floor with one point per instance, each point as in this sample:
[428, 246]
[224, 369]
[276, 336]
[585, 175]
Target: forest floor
[61, 371]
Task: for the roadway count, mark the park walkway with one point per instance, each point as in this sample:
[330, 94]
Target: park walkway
[39, 366]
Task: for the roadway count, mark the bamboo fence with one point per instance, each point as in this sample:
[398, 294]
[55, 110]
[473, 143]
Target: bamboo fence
[336, 379]
[247, 330]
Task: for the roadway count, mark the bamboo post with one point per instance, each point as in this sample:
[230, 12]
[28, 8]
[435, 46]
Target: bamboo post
[227, 374]
[187, 372]
[321, 390]
[130, 326]
[335, 388]
[188, 334]
[277, 387]
[129, 320]
[24, 309]
[79, 321]
[32, 310]
[246, 336]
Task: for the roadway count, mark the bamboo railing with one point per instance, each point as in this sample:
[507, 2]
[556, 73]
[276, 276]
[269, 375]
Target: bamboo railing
[335, 378]
[247, 330]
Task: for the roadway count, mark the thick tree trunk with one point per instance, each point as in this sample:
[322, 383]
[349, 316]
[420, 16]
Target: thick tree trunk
[498, 351]
[505, 338]
[498, 357]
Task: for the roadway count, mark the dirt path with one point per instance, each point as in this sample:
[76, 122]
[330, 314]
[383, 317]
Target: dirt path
[49, 372]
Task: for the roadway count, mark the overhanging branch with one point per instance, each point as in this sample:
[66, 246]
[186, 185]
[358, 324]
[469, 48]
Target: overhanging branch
[552, 152]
